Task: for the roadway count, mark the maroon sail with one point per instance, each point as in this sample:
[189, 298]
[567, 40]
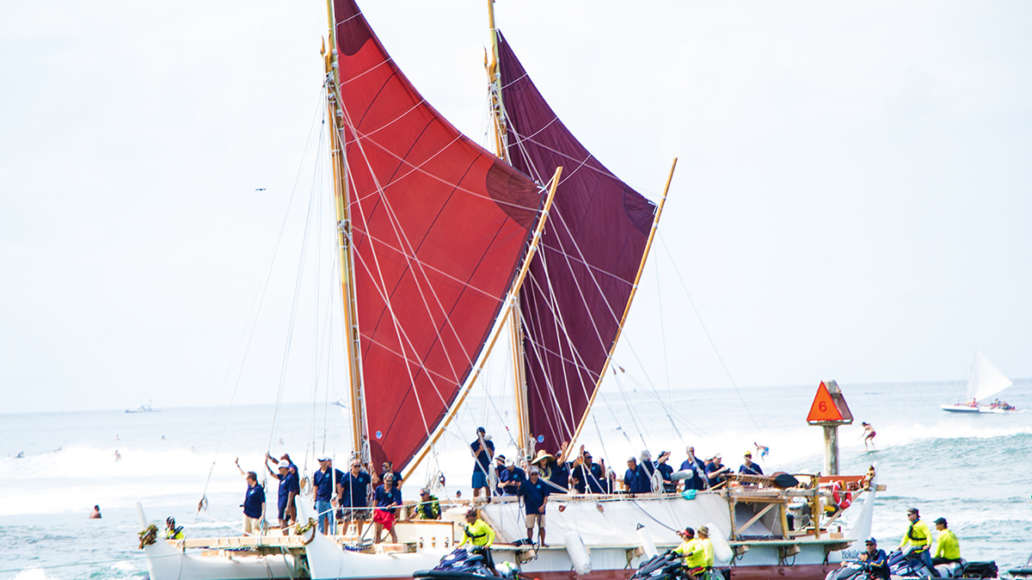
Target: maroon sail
[580, 281]
[440, 226]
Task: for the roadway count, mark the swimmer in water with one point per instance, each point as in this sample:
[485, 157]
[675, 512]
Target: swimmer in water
[95, 514]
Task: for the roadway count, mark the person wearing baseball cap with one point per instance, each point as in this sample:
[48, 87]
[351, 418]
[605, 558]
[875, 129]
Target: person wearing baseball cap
[429, 507]
[289, 488]
[917, 542]
[324, 480]
[692, 552]
[947, 548]
[876, 562]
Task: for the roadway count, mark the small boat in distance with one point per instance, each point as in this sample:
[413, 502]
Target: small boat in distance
[985, 381]
[142, 409]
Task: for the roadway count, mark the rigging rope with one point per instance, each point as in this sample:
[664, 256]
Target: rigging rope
[706, 332]
[261, 298]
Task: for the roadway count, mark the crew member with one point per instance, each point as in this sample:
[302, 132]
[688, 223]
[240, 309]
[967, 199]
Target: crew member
[636, 480]
[666, 471]
[322, 493]
[716, 471]
[480, 536]
[254, 503]
[748, 467]
[917, 542]
[353, 496]
[698, 480]
[388, 500]
[947, 548]
[515, 478]
[535, 492]
[289, 487]
[875, 560]
[429, 508]
[483, 452]
[172, 531]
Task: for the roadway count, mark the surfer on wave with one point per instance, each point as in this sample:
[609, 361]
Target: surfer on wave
[869, 434]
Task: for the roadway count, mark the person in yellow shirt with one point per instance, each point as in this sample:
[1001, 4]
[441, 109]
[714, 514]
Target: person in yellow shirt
[707, 545]
[947, 549]
[480, 536]
[692, 551]
[917, 542]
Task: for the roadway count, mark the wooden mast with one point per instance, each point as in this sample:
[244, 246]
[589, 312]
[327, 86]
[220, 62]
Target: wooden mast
[630, 299]
[347, 275]
[523, 438]
[514, 292]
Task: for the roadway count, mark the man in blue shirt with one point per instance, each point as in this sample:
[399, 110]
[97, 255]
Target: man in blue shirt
[535, 492]
[698, 479]
[483, 454]
[388, 500]
[388, 467]
[636, 479]
[289, 487]
[716, 471]
[254, 505]
[665, 472]
[353, 495]
[515, 476]
[876, 562]
[322, 492]
[750, 468]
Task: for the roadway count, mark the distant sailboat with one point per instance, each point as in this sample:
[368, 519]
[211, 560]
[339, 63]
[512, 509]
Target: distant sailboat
[142, 409]
[984, 382]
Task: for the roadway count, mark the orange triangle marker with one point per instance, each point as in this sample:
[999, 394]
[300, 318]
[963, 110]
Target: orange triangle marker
[823, 407]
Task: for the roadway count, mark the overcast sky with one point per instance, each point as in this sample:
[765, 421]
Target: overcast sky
[852, 199]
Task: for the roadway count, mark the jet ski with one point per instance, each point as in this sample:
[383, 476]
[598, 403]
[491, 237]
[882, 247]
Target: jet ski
[902, 568]
[667, 566]
[462, 564]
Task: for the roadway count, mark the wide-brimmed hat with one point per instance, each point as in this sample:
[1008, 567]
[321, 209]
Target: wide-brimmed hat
[541, 456]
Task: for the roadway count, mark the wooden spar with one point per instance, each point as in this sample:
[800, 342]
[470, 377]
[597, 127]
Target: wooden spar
[342, 205]
[495, 84]
[627, 309]
[523, 438]
[495, 332]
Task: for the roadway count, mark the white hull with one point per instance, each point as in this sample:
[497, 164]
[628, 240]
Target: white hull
[606, 542]
[167, 562]
[976, 410]
[598, 538]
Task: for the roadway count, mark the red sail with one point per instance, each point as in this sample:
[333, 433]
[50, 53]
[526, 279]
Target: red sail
[440, 228]
[581, 278]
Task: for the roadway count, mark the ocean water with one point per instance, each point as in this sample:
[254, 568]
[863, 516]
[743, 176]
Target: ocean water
[973, 470]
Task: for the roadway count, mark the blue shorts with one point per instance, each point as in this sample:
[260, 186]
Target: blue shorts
[282, 508]
[479, 478]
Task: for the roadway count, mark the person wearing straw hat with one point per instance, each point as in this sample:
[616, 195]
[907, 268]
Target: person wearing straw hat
[483, 459]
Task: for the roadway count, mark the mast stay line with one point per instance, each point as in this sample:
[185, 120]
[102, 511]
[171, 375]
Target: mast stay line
[496, 331]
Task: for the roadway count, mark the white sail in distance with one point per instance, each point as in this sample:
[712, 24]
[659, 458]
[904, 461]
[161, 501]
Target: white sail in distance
[986, 380]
